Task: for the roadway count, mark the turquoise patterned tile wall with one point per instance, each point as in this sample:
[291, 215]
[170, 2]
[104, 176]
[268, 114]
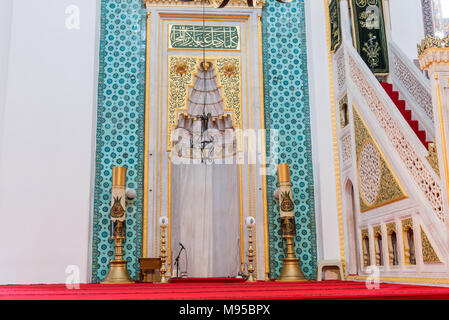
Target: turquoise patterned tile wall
[287, 110]
[120, 127]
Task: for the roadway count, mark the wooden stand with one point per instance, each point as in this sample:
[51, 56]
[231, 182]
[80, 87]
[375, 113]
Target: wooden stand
[148, 268]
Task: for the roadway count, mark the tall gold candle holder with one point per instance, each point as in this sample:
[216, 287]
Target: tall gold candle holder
[291, 269]
[163, 222]
[118, 271]
[250, 221]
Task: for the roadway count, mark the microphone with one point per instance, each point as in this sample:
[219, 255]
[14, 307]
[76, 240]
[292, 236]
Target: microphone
[182, 247]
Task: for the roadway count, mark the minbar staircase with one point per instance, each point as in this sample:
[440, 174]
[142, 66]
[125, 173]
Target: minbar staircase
[406, 113]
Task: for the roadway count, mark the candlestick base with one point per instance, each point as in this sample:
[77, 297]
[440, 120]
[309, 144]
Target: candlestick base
[118, 272]
[291, 271]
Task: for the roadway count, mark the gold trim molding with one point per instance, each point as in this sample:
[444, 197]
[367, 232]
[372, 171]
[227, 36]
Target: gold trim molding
[241, 4]
[262, 126]
[434, 56]
[334, 137]
[146, 151]
[431, 42]
[404, 279]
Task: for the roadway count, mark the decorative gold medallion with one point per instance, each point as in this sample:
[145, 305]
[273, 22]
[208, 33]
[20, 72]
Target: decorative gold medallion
[288, 227]
[181, 68]
[286, 202]
[229, 69]
[117, 210]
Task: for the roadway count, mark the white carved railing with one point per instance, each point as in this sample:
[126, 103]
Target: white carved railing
[413, 86]
[400, 135]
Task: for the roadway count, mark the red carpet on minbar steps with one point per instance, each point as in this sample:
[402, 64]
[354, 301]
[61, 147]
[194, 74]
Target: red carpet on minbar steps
[271, 290]
[406, 113]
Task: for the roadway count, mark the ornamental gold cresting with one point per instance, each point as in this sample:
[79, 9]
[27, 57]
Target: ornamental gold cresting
[291, 269]
[118, 271]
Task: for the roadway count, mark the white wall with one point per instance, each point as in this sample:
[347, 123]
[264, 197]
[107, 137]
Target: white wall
[47, 141]
[321, 124]
[5, 32]
[407, 26]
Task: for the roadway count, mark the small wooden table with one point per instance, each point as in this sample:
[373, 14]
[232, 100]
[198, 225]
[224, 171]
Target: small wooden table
[148, 268]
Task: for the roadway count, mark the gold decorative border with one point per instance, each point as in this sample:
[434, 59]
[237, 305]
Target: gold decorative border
[438, 52]
[341, 102]
[227, 91]
[378, 252]
[391, 227]
[377, 230]
[262, 126]
[383, 162]
[442, 132]
[201, 49]
[251, 170]
[404, 279]
[366, 255]
[240, 4]
[145, 139]
[334, 139]
[364, 233]
[158, 203]
[338, 43]
[406, 225]
[429, 254]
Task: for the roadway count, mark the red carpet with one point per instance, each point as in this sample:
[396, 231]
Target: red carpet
[406, 113]
[223, 291]
[207, 280]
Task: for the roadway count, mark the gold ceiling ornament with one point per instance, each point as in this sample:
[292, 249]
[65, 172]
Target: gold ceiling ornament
[181, 68]
[229, 69]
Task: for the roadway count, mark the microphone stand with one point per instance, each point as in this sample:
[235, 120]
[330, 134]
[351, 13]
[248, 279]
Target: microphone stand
[177, 262]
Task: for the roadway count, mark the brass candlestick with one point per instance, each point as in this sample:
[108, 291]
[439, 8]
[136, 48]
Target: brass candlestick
[163, 223]
[118, 271]
[251, 276]
[291, 269]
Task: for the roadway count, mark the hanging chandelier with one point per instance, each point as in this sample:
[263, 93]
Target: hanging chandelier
[204, 118]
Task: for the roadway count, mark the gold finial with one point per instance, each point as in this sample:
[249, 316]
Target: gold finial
[163, 255]
[119, 176]
[283, 172]
[205, 65]
[251, 276]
